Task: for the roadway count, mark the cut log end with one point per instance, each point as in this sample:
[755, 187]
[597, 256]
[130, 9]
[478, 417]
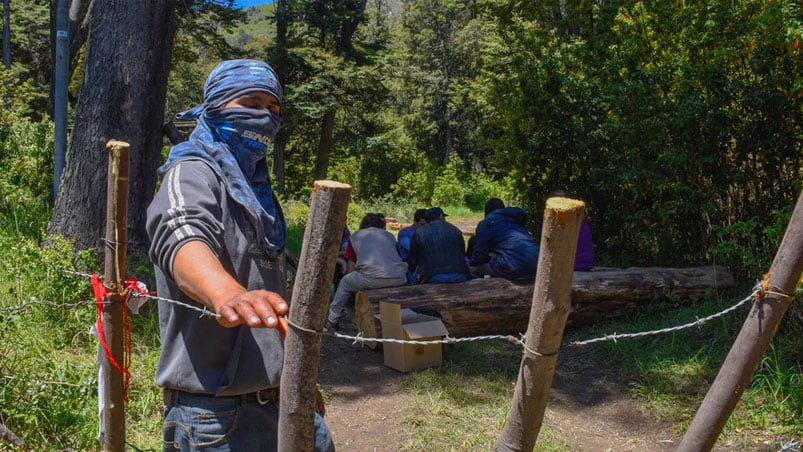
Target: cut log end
[329, 185]
[116, 145]
[563, 204]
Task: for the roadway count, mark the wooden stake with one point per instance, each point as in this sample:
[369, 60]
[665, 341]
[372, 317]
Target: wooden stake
[112, 419]
[308, 309]
[755, 336]
[550, 308]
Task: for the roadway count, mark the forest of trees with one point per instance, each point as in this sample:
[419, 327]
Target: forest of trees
[679, 123]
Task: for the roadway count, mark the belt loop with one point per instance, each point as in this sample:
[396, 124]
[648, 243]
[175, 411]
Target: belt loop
[168, 397]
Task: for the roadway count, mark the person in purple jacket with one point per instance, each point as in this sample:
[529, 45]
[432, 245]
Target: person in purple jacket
[584, 258]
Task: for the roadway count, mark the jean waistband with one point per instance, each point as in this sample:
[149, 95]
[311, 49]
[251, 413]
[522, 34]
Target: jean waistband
[263, 396]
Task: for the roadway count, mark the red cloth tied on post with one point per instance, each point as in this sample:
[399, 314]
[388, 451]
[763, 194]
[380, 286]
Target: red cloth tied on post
[100, 295]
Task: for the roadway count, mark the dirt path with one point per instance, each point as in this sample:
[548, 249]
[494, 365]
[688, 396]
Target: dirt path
[588, 406]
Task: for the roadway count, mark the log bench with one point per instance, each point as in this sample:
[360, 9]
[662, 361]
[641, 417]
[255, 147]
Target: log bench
[499, 306]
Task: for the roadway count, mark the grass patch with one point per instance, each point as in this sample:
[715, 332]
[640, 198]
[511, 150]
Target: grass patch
[673, 372]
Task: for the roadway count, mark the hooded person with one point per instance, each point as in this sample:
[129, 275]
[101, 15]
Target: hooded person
[502, 246]
[217, 236]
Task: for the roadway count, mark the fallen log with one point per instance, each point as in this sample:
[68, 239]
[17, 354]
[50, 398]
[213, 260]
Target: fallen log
[499, 306]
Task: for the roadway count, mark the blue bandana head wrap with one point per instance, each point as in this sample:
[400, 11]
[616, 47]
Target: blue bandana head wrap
[233, 142]
[231, 79]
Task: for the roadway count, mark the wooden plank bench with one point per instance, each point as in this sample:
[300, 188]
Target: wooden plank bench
[499, 306]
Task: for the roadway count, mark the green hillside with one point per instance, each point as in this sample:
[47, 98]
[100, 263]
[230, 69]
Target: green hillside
[257, 33]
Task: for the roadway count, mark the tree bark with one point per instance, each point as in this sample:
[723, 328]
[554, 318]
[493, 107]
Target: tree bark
[501, 306]
[755, 336]
[325, 144]
[308, 311]
[122, 96]
[551, 304]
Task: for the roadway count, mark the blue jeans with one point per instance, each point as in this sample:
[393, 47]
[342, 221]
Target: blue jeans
[202, 422]
[448, 278]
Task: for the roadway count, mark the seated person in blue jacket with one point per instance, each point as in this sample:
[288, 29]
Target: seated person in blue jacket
[437, 251]
[502, 246]
[584, 258]
[405, 237]
[406, 234]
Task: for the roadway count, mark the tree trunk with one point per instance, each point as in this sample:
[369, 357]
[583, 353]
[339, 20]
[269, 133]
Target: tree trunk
[122, 97]
[349, 27]
[500, 306]
[79, 28]
[325, 144]
[343, 48]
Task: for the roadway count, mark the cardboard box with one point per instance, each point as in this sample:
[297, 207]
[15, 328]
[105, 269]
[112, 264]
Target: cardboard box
[398, 323]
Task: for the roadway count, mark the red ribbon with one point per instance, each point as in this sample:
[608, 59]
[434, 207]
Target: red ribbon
[100, 295]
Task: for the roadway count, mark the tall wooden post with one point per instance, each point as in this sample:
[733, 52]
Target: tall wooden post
[550, 308]
[112, 419]
[755, 336]
[308, 309]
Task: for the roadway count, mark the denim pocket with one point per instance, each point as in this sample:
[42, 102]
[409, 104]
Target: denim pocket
[188, 428]
[214, 427]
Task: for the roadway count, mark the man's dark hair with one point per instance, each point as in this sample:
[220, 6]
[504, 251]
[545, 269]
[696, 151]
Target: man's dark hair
[373, 220]
[419, 215]
[493, 204]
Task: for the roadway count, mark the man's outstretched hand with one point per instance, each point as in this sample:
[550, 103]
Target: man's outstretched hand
[256, 308]
[199, 274]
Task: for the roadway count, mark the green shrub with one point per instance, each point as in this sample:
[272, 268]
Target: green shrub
[450, 186]
[26, 176]
[482, 187]
[415, 185]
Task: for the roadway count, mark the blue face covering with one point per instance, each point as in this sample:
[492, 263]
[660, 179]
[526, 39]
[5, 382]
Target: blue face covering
[247, 132]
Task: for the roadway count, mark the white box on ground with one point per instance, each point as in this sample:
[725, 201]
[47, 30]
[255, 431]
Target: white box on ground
[406, 324]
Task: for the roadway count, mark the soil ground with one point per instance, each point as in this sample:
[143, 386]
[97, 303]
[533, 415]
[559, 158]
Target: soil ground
[589, 405]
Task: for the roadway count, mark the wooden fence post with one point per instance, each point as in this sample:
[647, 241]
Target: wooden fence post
[112, 419]
[308, 309]
[762, 322]
[550, 308]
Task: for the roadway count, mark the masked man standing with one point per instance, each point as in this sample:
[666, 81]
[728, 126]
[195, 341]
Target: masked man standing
[217, 233]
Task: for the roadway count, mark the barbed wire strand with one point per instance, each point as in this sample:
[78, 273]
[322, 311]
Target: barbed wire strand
[757, 294]
[790, 445]
[50, 304]
[614, 337]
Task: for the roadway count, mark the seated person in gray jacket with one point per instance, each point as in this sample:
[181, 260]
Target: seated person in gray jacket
[372, 262]
[502, 246]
